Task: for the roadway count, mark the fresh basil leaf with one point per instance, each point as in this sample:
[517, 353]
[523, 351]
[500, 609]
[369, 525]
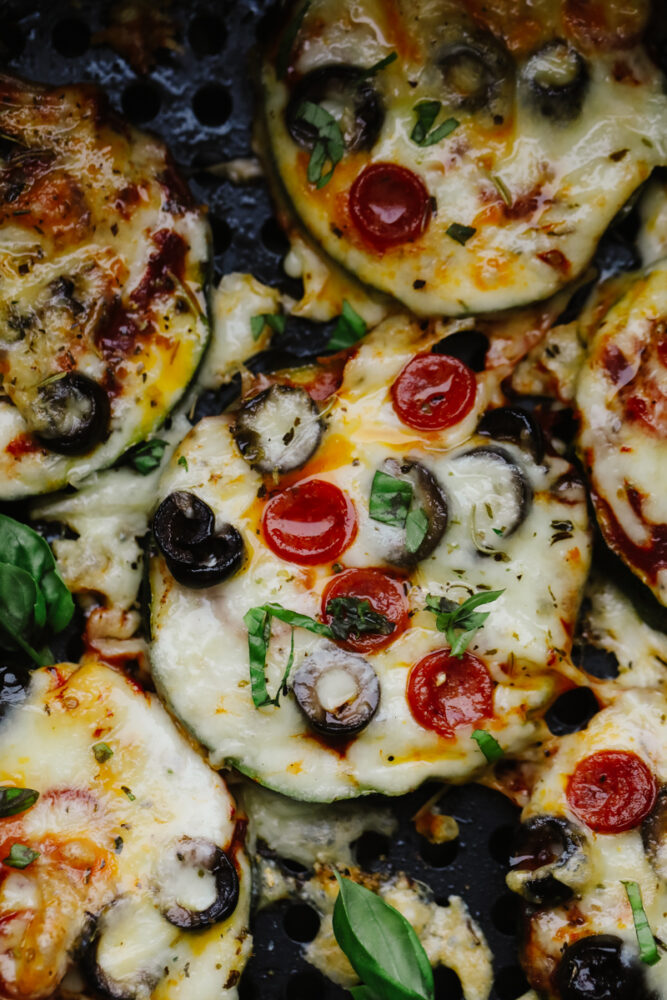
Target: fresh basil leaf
[463, 617]
[147, 456]
[297, 620]
[648, 949]
[416, 526]
[376, 67]
[427, 112]
[380, 945]
[276, 322]
[22, 547]
[102, 752]
[329, 145]
[390, 499]
[355, 616]
[362, 993]
[20, 856]
[16, 800]
[489, 745]
[349, 329]
[17, 605]
[184, 462]
[461, 233]
[288, 40]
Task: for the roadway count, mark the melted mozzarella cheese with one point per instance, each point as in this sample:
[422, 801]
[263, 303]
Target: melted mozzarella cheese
[102, 829]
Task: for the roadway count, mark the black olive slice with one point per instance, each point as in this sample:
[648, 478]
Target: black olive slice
[343, 91]
[477, 74]
[469, 346]
[126, 925]
[338, 692]
[492, 487]
[70, 413]
[558, 78]
[197, 555]
[429, 496]
[548, 862]
[279, 429]
[654, 834]
[511, 423]
[600, 967]
[198, 884]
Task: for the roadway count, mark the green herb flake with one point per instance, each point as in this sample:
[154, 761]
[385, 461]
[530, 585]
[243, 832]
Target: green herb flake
[648, 949]
[349, 329]
[381, 946]
[20, 856]
[489, 745]
[148, 455]
[427, 112]
[16, 800]
[461, 233]
[355, 616]
[502, 190]
[452, 617]
[184, 462]
[376, 67]
[416, 527]
[128, 791]
[390, 499]
[329, 144]
[102, 752]
[275, 322]
[288, 40]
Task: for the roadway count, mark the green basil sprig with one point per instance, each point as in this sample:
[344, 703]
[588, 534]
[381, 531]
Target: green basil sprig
[33, 596]
[390, 503]
[16, 800]
[381, 946]
[489, 745]
[329, 145]
[20, 856]
[275, 322]
[427, 112]
[460, 233]
[349, 329]
[355, 616]
[148, 455]
[364, 74]
[451, 617]
[648, 949]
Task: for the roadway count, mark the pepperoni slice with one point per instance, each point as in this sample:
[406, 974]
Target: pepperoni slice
[612, 791]
[433, 391]
[389, 205]
[385, 595]
[309, 523]
[445, 693]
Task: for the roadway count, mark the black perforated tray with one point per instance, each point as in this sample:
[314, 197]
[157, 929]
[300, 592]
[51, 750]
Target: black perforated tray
[200, 100]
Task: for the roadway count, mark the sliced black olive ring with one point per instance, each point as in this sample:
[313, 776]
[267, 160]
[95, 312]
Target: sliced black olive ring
[197, 555]
[430, 497]
[600, 967]
[127, 928]
[343, 91]
[70, 413]
[511, 423]
[476, 73]
[654, 834]
[197, 858]
[338, 692]
[278, 429]
[558, 79]
[548, 861]
[499, 502]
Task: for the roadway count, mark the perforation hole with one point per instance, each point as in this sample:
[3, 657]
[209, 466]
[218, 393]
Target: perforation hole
[206, 34]
[438, 855]
[447, 984]
[506, 913]
[274, 238]
[510, 983]
[301, 923]
[572, 711]
[371, 849]
[71, 37]
[306, 986]
[141, 102]
[222, 234]
[500, 844]
[12, 40]
[212, 105]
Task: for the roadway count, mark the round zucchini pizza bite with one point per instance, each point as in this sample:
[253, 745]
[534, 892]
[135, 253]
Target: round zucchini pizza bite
[321, 569]
[589, 858]
[103, 261]
[120, 848]
[622, 400]
[461, 156]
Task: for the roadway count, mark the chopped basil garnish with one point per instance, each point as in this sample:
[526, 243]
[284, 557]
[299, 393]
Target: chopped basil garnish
[355, 616]
[128, 791]
[390, 499]
[452, 617]
[416, 526]
[184, 462]
[648, 949]
[329, 145]
[427, 112]
[489, 745]
[289, 38]
[502, 190]
[148, 455]
[275, 321]
[16, 800]
[102, 752]
[349, 329]
[258, 623]
[20, 856]
[381, 946]
[461, 233]
[376, 67]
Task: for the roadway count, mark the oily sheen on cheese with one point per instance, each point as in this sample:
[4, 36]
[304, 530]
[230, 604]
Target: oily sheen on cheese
[525, 639]
[536, 180]
[105, 832]
[103, 261]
